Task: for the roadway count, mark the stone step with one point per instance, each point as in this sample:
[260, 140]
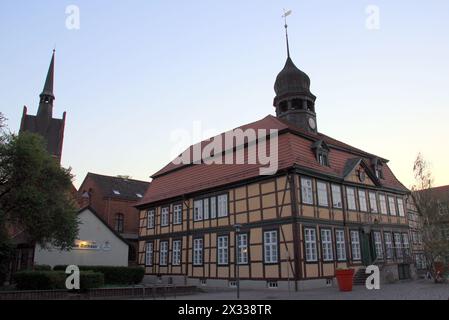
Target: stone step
[360, 277]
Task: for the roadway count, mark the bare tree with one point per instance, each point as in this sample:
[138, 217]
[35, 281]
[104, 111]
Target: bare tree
[433, 210]
[2, 121]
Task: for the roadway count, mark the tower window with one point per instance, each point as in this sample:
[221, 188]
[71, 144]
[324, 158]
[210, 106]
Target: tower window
[310, 106]
[283, 106]
[297, 104]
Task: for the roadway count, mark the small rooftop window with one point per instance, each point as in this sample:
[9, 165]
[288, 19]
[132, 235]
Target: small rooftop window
[321, 151]
[116, 192]
[377, 167]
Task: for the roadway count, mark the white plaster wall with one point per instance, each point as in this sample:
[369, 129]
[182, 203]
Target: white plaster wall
[90, 229]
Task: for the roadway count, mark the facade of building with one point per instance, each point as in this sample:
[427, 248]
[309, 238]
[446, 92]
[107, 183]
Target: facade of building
[113, 198]
[416, 240]
[97, 245]
[329, 205]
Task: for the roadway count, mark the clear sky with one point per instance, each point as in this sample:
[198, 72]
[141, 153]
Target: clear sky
[138, 70]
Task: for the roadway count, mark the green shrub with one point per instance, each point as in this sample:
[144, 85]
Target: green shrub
[42, 268]
[91, 280]
[39, 280]
[55, 280]
[114, 275]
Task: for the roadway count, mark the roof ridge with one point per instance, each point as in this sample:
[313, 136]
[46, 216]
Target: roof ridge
[117, 178]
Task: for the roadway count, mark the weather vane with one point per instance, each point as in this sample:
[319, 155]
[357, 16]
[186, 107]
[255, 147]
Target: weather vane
[285, 15]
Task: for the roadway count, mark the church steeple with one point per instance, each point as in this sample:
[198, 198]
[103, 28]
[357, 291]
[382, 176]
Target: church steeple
[47, 96]
[51, 129]
[294, 102]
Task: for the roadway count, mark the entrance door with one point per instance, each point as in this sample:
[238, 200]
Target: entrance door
[404, 271]
[367, 256]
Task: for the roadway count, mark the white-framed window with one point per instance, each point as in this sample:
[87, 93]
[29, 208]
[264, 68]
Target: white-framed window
[322, 194]
[165, 215]
[383, 204]
[213, 207]
[362, 200]
[405, 243]
[149, 254]
[378, 245]
[271, 246]
[420, 261]
[326, 245]
[177, 214]
[373, 202]
[388, 245]
[177, 247]
[223, 250]
[351, 198]
[336, 196]
[401, 207]
[398, 245]
[419, 237]
[198, 210]
[311, 248]
[198, 252]
[414, 237]
[307, 191]
[242, 254]
[222, 202]
[150, 219]
[206, 209]
[392, 205]
[163, 253]
[355, 245]
[341, 245]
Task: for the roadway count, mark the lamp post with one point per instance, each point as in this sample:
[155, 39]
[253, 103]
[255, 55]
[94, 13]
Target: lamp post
[237, 228]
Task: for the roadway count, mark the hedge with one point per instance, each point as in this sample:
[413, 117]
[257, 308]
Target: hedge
[39, 280]
[114, 275]
[55, 280]
[91, 280]
[42, 267]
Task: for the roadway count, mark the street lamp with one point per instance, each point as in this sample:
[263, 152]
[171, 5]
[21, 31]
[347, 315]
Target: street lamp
[237, 228]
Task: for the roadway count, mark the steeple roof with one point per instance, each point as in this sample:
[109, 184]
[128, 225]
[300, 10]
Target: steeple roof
[48, 87]
[291, 80]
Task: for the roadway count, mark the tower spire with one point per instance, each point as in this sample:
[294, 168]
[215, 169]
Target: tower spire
[48, 87]
[285, 15]
[47, 96]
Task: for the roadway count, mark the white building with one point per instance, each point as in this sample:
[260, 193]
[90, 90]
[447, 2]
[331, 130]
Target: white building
[97, 245]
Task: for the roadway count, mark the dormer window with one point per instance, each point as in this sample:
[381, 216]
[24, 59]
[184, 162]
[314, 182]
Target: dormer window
[377, 167]
[321, 151]
[379, 173]
[323, 160]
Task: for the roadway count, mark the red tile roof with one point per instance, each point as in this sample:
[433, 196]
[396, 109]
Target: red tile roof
[441, 193]
[295, 149]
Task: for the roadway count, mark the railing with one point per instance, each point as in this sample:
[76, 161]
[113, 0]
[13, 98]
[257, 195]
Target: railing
[134, 292]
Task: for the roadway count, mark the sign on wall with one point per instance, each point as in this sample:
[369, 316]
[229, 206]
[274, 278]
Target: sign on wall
[91, 245]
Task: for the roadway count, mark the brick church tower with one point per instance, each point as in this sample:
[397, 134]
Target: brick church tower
[43, 123]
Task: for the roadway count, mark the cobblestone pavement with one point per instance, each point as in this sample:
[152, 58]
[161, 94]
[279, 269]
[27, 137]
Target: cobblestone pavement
[410, 290]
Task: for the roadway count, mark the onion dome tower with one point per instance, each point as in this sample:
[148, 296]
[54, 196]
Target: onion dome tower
[294, 102]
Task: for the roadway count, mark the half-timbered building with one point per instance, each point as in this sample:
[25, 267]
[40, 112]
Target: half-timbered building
[329, 205]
